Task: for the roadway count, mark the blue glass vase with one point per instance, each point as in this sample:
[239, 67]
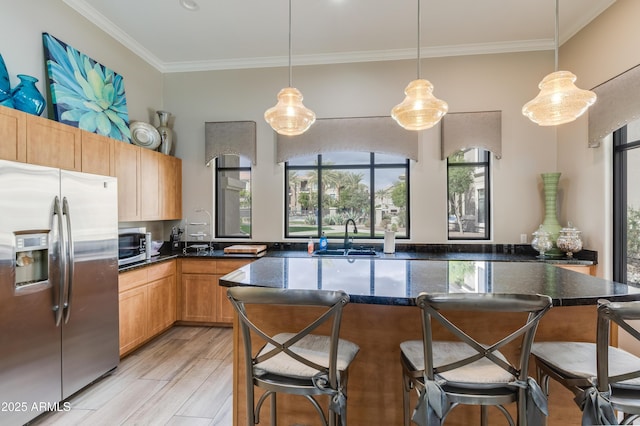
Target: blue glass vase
[5, 86]
[26, 96]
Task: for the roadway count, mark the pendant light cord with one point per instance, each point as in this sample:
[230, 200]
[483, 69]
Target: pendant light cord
[556, 36]
[290, 85]
[418, 39]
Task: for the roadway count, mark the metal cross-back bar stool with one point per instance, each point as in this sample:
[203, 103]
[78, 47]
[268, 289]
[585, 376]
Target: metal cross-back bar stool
[603, 378]
[466, 371]
[299, 363]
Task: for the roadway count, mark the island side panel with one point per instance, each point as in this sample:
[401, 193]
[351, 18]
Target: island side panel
[374, 388]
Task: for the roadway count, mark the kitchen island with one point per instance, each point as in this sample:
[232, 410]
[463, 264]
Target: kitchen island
[381, 315]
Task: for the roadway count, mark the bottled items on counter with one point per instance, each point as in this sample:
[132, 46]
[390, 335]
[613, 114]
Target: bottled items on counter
[323, 242]
[541, 241]
[569, 240]
[310, 246]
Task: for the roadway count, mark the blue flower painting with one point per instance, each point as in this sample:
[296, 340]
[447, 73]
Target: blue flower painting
[84, 93]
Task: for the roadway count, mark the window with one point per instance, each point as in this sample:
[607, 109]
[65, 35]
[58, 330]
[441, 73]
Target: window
[626, 204]
[233, 197]
[323, 191]
[468, 195]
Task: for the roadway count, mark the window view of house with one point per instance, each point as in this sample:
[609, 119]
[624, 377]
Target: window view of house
[324, 191]
[468, 195]
[627, 204]
[233, 197]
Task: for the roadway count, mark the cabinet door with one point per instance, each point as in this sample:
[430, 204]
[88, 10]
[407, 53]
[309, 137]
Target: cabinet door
[170, 169]
[162, 304]
[97, 154]
[127, 170]
[13, 131]
[199, 294]
[224, 309]
[53, 144]
[133, 318]
[149, 184]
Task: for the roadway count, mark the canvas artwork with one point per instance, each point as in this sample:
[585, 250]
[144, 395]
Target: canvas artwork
[84, 93]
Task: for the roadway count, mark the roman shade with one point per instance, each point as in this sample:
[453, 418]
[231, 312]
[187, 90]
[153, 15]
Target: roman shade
[463, 130]
[230, 137]
[618, 104]
[365, 134]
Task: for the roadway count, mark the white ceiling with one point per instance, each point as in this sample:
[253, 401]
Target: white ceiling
[230, 34]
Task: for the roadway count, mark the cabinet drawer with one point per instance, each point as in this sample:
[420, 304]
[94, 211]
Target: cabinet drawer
[161, 270]
[226, 266]
[199, 266]
[132, 279]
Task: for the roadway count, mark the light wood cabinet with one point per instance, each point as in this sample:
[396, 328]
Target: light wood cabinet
[170, 182]
[147, 303]
[97, 154]
[583, 269]
[150, 189]
[149, 183]
[13, 132]
[127, 170]
[201, 299]
[53, 144]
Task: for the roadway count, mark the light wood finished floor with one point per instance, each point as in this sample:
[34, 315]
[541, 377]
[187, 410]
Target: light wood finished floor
[183, 377]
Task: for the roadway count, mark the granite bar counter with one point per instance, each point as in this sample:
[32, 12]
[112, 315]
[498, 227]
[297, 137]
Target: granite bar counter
[397, 282]
[381, 315]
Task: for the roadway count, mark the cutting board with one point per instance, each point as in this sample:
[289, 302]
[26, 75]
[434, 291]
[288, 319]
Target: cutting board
[246, 249]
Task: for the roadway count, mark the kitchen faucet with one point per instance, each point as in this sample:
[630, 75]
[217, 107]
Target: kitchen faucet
[347, 244]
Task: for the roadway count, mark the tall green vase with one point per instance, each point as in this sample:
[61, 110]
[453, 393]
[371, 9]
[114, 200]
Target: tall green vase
[550, 223]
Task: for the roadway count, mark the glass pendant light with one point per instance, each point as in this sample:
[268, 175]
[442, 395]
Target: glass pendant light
[290, 117]
[420, 109]
[559, 100]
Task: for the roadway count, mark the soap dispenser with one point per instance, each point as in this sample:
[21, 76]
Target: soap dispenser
[310, 246]
[323, 243]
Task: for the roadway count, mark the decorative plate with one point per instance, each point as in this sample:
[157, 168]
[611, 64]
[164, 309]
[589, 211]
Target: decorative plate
[145, 135]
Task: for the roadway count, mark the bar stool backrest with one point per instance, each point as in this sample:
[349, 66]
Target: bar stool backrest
[433, 305]
[619, 313]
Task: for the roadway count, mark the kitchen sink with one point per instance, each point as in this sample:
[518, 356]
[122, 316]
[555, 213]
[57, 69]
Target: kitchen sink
[356, 252]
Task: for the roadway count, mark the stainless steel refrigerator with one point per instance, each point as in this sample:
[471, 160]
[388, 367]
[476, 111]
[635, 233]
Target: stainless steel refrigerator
[58, 286]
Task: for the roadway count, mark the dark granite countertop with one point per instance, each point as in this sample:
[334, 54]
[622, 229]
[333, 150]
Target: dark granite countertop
[398, 281]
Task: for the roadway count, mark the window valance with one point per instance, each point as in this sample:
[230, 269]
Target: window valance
[364, 134]
[462, 130]
[618, 104]
[230, 137]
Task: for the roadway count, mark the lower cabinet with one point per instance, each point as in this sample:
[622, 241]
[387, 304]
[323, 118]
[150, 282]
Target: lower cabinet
[584, 269]
[147, 303]
[201, 298]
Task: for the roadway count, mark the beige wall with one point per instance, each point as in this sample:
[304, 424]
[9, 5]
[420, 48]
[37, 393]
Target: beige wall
[23, 23]
[604, 49]
[475, 83]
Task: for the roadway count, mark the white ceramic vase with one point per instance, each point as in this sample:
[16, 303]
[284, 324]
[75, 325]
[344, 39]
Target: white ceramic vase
[166, 134]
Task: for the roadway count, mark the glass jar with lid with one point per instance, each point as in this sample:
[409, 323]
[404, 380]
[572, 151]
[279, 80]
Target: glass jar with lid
[569, 240]
[541, 241]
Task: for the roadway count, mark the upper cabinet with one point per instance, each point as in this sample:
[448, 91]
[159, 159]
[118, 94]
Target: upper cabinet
[13, 132]
[149, 183]
[53, 144]
[97, 154]
[127, 170]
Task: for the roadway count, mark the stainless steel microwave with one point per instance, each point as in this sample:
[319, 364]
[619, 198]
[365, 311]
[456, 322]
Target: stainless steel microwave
[133, 245]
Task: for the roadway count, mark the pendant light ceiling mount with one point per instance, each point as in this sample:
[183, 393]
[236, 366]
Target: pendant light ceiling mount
[289, 116]
[559, 100]
[420, 110]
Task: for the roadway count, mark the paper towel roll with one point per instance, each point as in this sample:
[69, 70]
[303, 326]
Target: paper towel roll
[389, 242]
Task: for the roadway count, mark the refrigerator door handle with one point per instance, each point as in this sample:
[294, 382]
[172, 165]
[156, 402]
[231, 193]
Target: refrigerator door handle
[59, 286]
[70, 259]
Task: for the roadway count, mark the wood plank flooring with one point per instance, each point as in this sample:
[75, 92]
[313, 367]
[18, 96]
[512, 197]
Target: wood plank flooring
[181, 378]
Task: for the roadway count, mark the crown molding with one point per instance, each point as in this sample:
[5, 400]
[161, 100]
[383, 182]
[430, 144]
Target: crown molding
[126, 40]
